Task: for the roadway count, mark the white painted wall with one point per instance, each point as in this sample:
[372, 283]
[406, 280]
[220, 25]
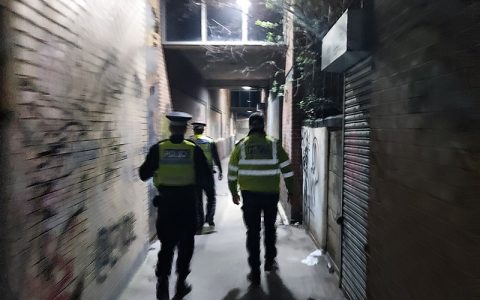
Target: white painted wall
[273, 117]
[315, 187]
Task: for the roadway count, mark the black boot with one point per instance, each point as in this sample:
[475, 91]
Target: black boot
[162, 289]
[182, 289]
[254, 278]
[271, 265]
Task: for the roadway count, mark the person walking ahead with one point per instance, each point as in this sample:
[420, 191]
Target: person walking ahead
[255, 166]
[178, 168]
[209, 148]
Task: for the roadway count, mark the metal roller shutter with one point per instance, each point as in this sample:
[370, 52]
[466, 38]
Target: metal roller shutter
[356, 162]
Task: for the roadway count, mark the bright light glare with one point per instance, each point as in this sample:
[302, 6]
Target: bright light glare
[244, 4]
[247, 88]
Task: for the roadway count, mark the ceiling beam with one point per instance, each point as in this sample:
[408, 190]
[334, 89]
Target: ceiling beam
[254, 83]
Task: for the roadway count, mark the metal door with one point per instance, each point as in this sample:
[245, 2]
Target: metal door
[356, 169]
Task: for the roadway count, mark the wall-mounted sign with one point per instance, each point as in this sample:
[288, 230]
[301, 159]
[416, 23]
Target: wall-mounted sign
[346, 42]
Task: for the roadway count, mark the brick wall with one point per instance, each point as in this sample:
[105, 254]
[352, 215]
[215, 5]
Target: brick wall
[159, 100]
[292, 142]
[424, 229]
[187, 86]
[292, 130]
[157, 77]
[73, 217]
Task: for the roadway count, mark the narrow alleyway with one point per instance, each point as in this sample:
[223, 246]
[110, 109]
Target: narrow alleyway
[220, 264]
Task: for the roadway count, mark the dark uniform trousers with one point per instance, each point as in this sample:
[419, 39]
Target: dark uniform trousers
[211, 206]
[176, 226]
[253, 205]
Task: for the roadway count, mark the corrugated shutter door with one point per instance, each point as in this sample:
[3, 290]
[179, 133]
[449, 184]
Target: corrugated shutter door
[356, 161]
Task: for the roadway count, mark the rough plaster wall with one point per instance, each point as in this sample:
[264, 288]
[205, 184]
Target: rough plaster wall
[220, 104]
[187, 87]
[190, 94]
[241, 126]
[424, 230]
[76, 208]
[214, 116]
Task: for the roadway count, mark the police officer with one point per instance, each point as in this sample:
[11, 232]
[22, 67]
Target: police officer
[178, 168]
[209, 148]
[255, 166]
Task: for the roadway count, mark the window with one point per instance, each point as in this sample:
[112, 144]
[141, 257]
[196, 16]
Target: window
[224, 21]
[247, 99]
[221, 20]
[272, 29]
[184, 20]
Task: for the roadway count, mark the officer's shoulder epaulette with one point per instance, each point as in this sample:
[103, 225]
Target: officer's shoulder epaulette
[191, 141]
[271, 138]
[240, 141]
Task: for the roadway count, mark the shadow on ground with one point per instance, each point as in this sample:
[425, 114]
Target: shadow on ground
[277, 291]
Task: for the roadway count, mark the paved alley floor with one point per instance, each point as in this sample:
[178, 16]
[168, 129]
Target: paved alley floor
[219, 265]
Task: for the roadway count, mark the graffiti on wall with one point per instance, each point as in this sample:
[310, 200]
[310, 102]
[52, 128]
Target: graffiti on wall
[113, 242]
[57, 278]
[65, 158]
[314, 156]
[310, 174]
[73, 149]
[54, 274]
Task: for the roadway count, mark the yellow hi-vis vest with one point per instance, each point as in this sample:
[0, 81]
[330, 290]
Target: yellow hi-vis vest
[205, 143]
[256, 164]
[176, 164]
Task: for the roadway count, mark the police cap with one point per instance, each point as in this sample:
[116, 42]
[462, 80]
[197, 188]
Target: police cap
[199, 124]
[178, 118]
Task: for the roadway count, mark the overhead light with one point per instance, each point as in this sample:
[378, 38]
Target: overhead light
[247, 88]
[249, 111]
[244, 4]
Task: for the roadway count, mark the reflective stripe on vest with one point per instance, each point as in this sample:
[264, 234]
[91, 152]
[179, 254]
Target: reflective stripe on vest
[176, 164]
[258, 168]
[206, 144]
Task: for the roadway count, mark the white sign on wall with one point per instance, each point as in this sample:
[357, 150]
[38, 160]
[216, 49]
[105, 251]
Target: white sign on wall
[345, 44]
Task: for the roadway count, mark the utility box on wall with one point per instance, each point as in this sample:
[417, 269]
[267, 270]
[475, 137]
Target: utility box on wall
[346, 42]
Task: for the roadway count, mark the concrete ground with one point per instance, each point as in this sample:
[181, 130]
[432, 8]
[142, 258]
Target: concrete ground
[219, 265]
